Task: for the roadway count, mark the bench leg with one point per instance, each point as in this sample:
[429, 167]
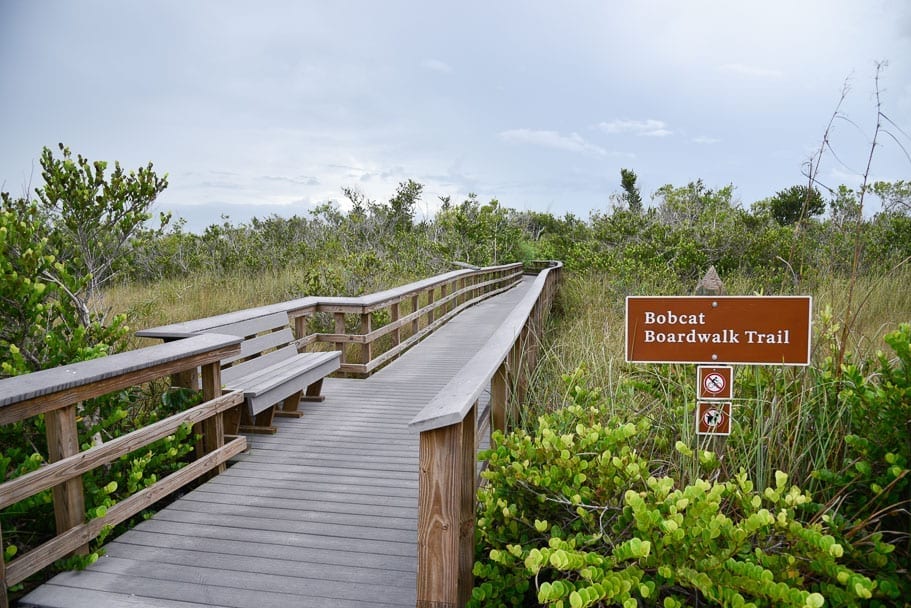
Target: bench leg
[313, 392]
[261, 423]
[289, 407]
[232, 419]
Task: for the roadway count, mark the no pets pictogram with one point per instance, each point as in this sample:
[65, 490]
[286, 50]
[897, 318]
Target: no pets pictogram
[713, 418]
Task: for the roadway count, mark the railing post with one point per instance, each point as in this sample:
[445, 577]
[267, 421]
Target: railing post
[499, 396]
[520, 362]
[301, 328]
[4, 602]
[340, 329]
[213, 428]
[443, 291]
[430, 293]
[366, 347]
[188, 378]
[415, 325]
[446, 514]
[63, 441]
[394, 318]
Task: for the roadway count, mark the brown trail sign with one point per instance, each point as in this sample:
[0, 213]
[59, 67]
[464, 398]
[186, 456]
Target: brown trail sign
[718, 330]
[754, 330]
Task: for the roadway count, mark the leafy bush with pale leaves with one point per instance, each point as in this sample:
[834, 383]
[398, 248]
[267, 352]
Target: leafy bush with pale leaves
[573, 515]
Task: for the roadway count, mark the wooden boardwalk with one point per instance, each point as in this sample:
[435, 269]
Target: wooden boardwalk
[324, 513]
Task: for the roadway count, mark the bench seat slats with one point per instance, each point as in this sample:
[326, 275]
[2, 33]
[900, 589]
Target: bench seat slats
[269, 368]
[253, 366]
[263, 379]
[274, 383]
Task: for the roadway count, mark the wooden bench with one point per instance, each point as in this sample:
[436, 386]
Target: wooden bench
[270, 370]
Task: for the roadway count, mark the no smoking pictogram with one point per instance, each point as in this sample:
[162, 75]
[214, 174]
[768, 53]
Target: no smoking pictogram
[715, 382]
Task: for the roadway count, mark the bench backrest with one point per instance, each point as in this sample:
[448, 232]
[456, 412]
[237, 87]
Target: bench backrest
[267, 340]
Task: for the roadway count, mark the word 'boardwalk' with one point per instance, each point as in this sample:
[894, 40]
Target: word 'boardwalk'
[323, 513]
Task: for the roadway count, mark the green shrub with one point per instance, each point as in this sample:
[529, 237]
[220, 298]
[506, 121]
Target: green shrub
[31, 521]
[575, 515]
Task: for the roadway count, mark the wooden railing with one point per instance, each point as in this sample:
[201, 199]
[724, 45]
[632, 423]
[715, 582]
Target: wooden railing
[374, 329]
[449, 427]
[56, 393]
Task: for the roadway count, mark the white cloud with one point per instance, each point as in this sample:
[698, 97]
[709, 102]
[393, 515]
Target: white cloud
[702, 139]
[551, 139]
[642, 128]
[435, 65]
[842, 176]
[752, 71]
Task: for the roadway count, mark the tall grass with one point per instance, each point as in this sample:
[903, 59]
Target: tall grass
[203, 295]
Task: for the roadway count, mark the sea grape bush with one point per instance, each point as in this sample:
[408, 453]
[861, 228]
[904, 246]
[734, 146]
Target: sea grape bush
[574, 514]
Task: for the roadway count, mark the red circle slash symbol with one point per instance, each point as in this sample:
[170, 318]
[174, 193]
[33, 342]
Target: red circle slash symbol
[714, 383]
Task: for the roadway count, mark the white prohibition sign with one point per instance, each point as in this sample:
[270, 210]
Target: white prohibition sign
[713, 383]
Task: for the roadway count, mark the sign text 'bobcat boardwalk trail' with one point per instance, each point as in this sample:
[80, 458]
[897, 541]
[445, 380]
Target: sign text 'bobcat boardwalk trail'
[761, 330]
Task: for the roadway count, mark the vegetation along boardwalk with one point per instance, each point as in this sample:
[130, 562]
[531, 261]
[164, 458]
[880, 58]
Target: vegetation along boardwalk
[322, 513]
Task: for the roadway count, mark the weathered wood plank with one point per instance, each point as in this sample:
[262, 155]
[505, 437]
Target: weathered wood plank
[263, 343]
[199, 591]
[291, 582]
[32, 394]
[62, 596]
[325, 523]
[251, 370]
[299, 554]
[251, 326]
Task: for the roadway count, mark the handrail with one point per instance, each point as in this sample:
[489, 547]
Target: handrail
[32, 394]
[454, 400]
[449, 427]
[413, 310]
[56, 392]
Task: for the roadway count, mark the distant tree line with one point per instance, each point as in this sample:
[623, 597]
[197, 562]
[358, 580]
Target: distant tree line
[797, 233]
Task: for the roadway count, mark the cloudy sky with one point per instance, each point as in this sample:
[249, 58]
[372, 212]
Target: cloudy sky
[272, 106]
